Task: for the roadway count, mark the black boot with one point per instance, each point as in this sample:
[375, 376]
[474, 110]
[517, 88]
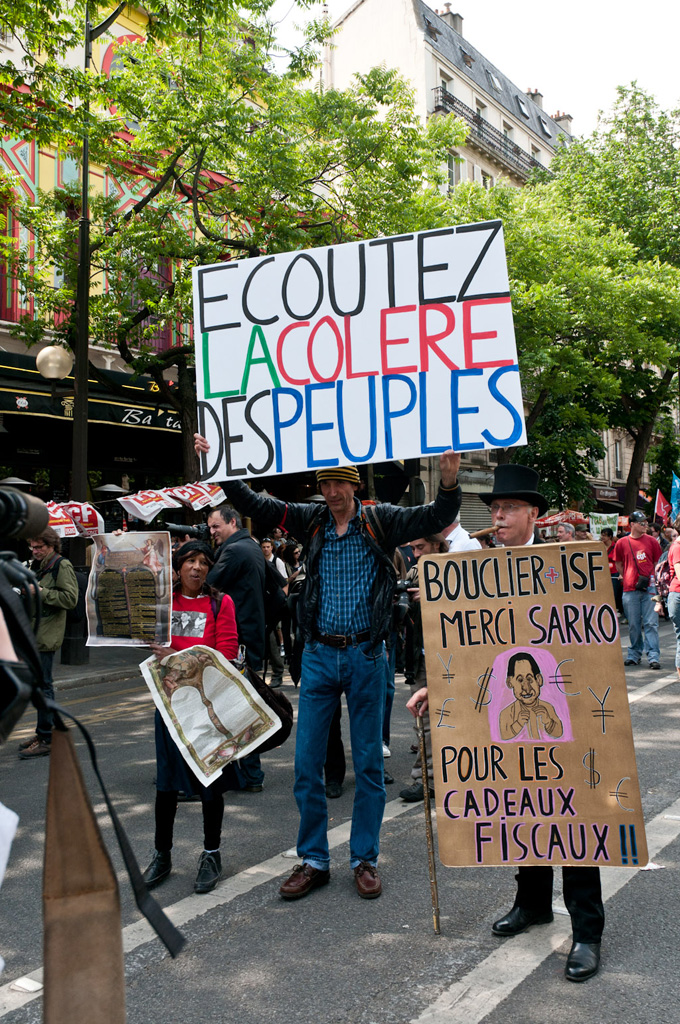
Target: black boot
[209, 871]
[158, 870]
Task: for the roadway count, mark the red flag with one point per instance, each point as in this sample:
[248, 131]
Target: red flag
[662, 507]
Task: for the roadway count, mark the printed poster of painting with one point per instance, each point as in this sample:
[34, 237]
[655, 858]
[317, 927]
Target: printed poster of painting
[531, 733]
[129, 592]
[212, 712]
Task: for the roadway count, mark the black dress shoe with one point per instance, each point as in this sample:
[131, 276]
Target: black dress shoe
[333, 790]
[412, 794]
[387, 778]
[209, 871]
[518, 920]
[583, 961]
[158, 870]
[629, 661]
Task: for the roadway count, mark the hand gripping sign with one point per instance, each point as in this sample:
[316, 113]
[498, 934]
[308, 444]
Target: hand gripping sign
[364, 352]
[531, 736]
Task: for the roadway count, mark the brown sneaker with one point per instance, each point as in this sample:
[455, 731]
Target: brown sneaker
[36, 749]
[367, 880]
[303, 879]
[27, 743]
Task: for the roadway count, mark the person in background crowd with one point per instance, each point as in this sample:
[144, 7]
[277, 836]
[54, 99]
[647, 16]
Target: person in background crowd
[58, 595]
[657, 533]
[200, 615]
[459, 539]
[515, 504]
[239, 572]
[607, 538]
[275, 639]
[565, 533]
[673, 599]
[636, 557]
[581, 532]
[414, 662]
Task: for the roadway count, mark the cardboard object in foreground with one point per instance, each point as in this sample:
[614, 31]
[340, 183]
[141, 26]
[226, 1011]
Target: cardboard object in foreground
[531, 733]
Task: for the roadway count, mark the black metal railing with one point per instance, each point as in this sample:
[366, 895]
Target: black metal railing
[484, 135]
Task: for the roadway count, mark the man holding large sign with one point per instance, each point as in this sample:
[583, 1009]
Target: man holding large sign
[364, 352]
[532, 743]
[344, 614]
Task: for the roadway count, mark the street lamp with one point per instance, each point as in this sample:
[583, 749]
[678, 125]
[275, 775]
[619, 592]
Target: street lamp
[79, 452]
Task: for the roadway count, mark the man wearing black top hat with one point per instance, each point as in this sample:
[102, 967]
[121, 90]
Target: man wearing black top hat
[515, 505]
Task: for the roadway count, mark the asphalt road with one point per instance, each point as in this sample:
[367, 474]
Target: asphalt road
[253, 959]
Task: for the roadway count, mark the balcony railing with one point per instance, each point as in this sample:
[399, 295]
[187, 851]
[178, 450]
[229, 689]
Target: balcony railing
[486, 137]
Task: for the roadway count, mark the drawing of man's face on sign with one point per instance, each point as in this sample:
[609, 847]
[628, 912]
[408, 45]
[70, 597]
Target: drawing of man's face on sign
[529, 698]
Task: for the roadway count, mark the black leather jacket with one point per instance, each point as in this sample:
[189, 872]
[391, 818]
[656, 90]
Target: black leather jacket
[384, 529]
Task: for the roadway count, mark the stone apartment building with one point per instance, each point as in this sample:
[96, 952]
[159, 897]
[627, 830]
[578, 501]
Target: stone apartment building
[510, 134]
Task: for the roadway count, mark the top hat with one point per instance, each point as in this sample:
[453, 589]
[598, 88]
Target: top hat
[513, 481]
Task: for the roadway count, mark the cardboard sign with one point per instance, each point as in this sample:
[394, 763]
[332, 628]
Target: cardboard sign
[364, 352]
[531, 735]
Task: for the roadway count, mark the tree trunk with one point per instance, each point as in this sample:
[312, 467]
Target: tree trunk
[189, 420]
[642, 443]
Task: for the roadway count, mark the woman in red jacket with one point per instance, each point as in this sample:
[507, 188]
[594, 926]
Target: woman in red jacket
[200, 615]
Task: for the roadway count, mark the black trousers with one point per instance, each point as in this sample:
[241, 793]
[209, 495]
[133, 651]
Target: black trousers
[582, 897]
[166, 808]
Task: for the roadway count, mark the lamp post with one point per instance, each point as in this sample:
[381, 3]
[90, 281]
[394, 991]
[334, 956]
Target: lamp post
[79, 451]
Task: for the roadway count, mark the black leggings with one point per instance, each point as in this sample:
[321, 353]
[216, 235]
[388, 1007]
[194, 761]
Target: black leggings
[166, 808]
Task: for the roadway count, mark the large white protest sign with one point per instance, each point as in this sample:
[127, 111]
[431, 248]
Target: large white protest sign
[364, 352]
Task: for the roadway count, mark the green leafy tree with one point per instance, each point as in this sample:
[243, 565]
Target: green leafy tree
[627, 176]
[664, 456]
[242, 161]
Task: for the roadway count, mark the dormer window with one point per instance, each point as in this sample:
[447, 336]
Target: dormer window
[494, 81]
[524, 110]
[545, 127]
[468, 59]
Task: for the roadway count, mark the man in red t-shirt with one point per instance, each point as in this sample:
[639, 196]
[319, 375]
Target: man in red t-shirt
[636, 556]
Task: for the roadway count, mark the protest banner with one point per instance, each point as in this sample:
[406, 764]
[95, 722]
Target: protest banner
[129, 592]
[598, 520]
[87, 519]
[531, 734]
[363, 352]
[212, 712]
[60, 521]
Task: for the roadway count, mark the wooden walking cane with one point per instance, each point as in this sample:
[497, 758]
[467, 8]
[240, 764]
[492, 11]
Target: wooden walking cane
[434, 892]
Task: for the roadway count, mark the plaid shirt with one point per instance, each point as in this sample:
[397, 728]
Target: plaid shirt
[347, 571]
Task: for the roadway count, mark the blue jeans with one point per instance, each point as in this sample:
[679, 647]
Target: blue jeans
[638, 606]
[673, 602]
[359, 671]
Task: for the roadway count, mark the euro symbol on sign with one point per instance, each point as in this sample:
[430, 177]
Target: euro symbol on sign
[481, 701]
[589, 763]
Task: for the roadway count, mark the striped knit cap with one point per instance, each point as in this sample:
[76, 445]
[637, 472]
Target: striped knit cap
[350, 473]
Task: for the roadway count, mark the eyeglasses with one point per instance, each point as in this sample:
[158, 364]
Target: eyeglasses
[508, 507]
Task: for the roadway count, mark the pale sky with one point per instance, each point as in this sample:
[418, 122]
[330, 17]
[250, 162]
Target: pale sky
[574, 53]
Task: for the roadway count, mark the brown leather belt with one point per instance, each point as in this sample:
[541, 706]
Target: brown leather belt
[343, 641]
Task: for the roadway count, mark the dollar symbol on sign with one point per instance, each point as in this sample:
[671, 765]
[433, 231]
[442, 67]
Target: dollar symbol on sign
[589, 763]
[483, 697]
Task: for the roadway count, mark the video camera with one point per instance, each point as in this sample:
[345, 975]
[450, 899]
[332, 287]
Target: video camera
[402, 602]
[200, 532]
[21, 516]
